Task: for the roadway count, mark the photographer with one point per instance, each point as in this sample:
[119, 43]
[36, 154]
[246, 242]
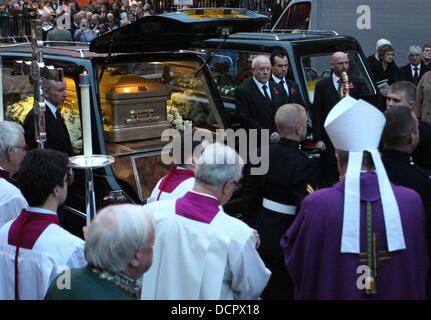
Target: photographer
[84, 34]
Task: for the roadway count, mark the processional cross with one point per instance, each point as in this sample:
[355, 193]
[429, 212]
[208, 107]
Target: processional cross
[373, 256]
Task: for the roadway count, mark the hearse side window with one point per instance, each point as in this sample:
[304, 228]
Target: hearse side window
[317, 67]
[18, 100]
[296, 17]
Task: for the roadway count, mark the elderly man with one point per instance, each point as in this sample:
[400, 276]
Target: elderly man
[36, 237]
[414, 70]
[12, 150]
[118, 249]
[382, 253]
[326, 95]
[57, 136]
[258, 99]
[403, 93]
[200, 252]
[272, 200]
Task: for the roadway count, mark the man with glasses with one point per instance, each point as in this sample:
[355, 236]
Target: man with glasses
[43, 247]
[272, 200]
[426, 59]
[414, 70]
[12, 150]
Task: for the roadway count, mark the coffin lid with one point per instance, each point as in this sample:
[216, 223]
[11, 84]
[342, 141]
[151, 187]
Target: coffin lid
[177, 30]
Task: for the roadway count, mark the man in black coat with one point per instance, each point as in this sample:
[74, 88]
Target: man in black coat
[272, 200]
[280, 68]
[326, 95]
[57, 136]
[400, 137]
[403, 93]
[414, 70]
[257, 100]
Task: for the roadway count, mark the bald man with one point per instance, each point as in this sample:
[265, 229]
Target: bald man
[326, 95]
[257, 100]
[271, 201]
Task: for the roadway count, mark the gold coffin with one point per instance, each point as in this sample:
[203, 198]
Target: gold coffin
[134, 108]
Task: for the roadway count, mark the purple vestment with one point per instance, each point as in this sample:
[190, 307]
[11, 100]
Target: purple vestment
[319, 270]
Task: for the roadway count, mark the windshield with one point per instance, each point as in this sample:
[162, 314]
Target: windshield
[317, 67]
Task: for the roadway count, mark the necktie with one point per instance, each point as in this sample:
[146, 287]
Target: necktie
[416, 75]
[266, 92]
[58, 115]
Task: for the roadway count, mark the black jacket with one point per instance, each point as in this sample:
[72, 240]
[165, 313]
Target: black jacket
[57, 136]
[406, 72]
[254, 110]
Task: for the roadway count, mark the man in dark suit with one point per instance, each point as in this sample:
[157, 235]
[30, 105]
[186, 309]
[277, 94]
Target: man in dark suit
[57, 136]
[326, 95]
[257, 100]
[400, 137]
[403, 93]
[414, 70]
[280, 68]
[272, 200]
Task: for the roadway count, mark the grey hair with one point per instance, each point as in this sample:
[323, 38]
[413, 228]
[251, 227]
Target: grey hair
[115, 233]
[415, 49]
[9, 136]
[218, 164]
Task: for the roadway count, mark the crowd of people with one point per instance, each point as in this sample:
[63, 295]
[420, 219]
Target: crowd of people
[84, 24]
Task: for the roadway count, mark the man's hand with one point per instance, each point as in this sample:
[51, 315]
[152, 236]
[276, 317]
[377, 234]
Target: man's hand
[274, 138]
[320, 145]
[256, 235]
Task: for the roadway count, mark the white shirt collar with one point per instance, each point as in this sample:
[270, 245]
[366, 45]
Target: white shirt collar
[335, 80]
[40, 210]
[418, 66]
[51, 107]
[205, 194]
[260, 84]
[277, 79]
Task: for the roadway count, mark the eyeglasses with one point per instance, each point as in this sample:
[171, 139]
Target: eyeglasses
[70, 177]
[238, 184]
[26, 148]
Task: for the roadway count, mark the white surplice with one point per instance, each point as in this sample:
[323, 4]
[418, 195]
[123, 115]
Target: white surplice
[54, 250]
[196, 260]
[11, 201]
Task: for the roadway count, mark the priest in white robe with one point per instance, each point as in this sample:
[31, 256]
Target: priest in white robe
[12, 150]
[44, 249]
[200, 252]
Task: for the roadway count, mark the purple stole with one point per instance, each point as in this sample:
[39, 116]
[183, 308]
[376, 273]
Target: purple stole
[197, 207]
[34, 224]
[5, 175]
[173, 179]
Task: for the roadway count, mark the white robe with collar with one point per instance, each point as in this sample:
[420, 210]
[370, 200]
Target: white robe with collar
[54, 250]
[11, 201]
[196, 261]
